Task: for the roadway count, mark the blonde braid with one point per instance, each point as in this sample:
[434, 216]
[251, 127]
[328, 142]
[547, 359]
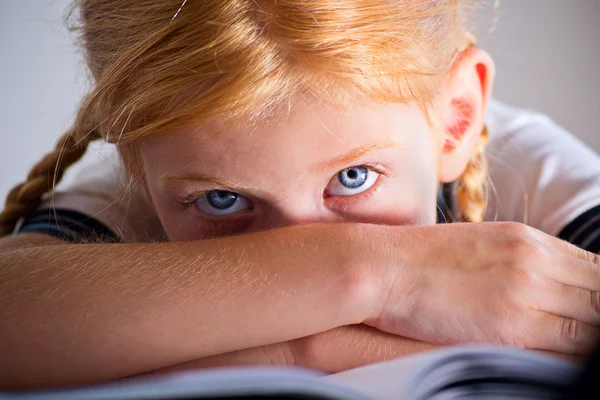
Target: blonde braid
[26, 196]
[471, 192]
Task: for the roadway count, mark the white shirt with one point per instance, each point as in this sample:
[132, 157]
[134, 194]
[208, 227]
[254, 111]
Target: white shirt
[540, 175]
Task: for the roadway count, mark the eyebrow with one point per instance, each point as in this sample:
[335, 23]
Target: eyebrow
[347, 159]
[199, 178]
[336, 163]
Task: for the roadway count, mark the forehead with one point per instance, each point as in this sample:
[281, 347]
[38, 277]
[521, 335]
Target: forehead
[301, 138]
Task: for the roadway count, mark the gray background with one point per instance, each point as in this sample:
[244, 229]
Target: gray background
[546, 51]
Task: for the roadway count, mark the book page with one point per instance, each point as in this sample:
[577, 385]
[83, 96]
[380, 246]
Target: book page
[385, 380]
[222, 383]
[491, 372]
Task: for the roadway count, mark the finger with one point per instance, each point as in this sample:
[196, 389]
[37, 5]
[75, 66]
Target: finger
[545, 331]
[571, 265]
[568, 301]
[567, 248]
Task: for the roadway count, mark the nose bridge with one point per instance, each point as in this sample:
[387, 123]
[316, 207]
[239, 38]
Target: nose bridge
[292, 213]
[301, 217]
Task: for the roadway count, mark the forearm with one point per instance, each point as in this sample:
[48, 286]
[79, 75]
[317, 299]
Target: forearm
[354, 346]
[337, 350]
[333, 351]
[126, 309]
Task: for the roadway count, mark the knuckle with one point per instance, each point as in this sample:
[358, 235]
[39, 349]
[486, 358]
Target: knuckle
[572, 331]
[521, 290]
[517, 229]
[524, 249]
[587, 255]
[595, 302]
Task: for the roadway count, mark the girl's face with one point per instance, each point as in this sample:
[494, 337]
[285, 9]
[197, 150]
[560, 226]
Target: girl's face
[375, 164]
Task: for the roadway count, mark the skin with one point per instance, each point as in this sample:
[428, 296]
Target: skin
[114, 302]
[283, 186]
[279, 185]
[285, 172]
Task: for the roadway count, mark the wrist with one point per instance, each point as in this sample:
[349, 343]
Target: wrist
[393, 266]
[363, 277]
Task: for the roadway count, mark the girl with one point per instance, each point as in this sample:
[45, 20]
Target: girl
[270, 194]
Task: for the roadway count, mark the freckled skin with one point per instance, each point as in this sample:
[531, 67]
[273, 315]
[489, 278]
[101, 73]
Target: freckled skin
[279, 169]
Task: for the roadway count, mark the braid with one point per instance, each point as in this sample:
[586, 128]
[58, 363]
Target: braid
[26, 196]
[472, 186]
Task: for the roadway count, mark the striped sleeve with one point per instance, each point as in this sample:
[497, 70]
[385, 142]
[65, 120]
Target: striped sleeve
[584, 231]
[67, 225]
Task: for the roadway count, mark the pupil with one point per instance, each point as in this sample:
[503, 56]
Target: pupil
[354, 177]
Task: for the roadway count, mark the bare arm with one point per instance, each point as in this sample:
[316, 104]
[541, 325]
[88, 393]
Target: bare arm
[84, 313]
[333, 351]
[81, 313]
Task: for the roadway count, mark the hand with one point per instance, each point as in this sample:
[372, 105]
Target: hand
[503, 283]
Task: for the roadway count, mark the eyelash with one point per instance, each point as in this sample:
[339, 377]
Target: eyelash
[191, 198]
[187, 202]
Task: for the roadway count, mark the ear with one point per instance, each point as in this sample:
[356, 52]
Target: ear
[463, 107]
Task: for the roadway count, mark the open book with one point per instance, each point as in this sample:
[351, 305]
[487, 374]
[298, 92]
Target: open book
[473, 372]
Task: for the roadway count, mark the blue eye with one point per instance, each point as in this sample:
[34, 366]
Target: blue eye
[351, 181]
[221, 199]
[222, 202]
[354, 177]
